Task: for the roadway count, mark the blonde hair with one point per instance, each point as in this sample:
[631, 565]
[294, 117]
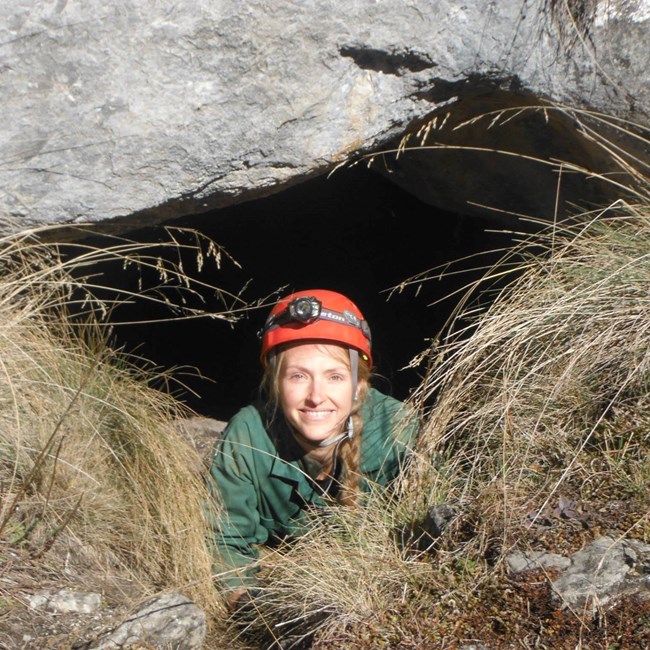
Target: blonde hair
[350, 448]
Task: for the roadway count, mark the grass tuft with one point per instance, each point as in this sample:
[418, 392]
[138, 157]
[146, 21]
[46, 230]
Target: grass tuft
[91, 456]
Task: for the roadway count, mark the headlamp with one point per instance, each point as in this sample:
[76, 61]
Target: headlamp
[308, 309]
[305, 309]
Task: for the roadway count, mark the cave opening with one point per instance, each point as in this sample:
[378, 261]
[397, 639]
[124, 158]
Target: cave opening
[352, 231]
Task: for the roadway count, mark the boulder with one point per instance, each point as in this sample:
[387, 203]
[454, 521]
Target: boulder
[142, 112]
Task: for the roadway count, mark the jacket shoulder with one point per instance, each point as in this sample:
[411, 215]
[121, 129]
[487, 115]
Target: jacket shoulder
[244, 431]
[389, 427]
[247, 418]
[380, 405]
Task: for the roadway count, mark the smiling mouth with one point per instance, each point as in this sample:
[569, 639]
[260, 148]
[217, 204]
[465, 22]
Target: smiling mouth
[316, 415]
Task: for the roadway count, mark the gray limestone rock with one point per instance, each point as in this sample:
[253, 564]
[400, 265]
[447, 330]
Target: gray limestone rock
[604, 570]
[156, 110]
[531, 560]
[65, 601]
[168, 621]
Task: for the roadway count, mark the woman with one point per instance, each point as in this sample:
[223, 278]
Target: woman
[322, 434]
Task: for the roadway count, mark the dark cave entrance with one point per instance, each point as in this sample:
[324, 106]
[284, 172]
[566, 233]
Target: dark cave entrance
[355, 232]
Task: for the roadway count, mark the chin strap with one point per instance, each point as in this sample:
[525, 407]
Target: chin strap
[348, 433]
[354, 371]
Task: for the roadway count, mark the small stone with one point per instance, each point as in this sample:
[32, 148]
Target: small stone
[66, 601]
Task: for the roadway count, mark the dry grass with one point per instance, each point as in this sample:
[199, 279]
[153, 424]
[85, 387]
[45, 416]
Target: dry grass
[347, 570]
[87, 449]
[558, 363]
[537, 421]
[543, 398]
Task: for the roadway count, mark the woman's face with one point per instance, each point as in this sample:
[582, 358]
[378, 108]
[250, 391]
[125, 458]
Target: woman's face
[316, 390]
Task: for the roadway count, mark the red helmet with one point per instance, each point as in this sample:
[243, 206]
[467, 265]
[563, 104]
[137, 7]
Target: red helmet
[316, 314]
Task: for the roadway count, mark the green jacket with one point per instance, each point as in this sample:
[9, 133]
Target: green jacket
[261, 487]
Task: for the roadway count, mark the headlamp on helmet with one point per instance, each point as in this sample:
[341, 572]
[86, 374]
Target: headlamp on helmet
[304, 309]
[317, 314]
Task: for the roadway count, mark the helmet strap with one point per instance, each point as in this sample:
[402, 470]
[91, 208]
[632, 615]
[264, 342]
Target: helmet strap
[348, 433]
[341, 436]
[354, 371]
